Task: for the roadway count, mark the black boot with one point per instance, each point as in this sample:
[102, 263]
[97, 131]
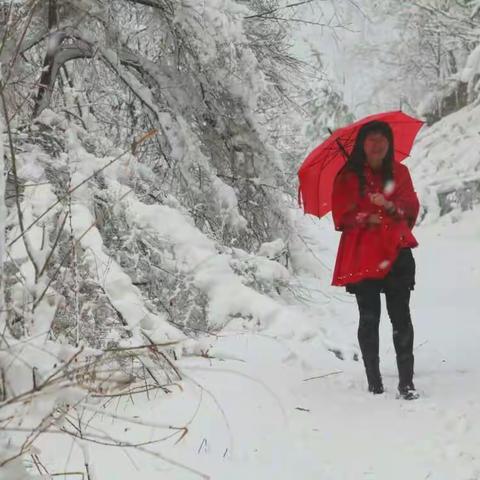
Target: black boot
[408, 393]
[406, 388]
[374, 378]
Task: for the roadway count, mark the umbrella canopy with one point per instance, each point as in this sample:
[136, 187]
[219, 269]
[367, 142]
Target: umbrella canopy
[318, 171]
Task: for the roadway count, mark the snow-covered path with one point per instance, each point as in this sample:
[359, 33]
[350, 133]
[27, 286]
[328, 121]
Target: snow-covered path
[259, 414]
[438, 436]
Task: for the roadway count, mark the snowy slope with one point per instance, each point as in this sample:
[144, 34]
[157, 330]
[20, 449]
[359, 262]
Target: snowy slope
[445, 164]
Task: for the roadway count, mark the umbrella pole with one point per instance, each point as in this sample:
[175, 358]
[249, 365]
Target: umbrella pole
[340, 146]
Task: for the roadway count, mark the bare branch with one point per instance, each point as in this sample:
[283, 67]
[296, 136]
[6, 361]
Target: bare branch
[440, 12]
[274, 10]
[28, 247]
[147, 3]
[53, 62]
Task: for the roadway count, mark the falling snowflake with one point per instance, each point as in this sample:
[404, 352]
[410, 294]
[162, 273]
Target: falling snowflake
[383, 265]
[389, 187]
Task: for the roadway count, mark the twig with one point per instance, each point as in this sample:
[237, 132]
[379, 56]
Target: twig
[273, 10]
[141, 347]
[44, 383]
[19, 43]
[421, 345]
[134, 391]
[54, 277]
[80, 474]
[132, 420]
[170, 363]
[323, 376]
[309, 22]
[54, 246]
[17, 189]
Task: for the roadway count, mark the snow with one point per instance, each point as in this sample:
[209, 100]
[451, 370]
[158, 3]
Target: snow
[226, 35]
[472, 67]
[275, 400]
[227, 199]
[445, 158]
[49, 118]
[272, 249]
[210, 269]
[258, 409]
[117, 284]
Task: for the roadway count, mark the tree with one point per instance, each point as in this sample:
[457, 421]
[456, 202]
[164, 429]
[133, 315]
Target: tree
[426, 53]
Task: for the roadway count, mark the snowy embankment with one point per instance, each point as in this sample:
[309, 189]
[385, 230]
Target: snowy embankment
[446, 165]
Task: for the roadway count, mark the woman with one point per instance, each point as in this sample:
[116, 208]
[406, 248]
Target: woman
[375, 206]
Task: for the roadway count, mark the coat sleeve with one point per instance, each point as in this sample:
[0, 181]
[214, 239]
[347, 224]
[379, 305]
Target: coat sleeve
[345, 203]
[405, 201]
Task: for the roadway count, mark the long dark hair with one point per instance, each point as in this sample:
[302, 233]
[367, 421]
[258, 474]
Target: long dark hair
[357, 159]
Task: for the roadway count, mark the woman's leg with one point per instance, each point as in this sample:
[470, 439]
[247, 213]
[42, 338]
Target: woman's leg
[398, 286]
[398, 300]
[368, 301]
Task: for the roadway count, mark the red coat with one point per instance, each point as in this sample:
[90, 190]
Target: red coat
[368, 251]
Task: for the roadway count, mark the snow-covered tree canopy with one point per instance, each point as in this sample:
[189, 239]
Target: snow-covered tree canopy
[419, 55]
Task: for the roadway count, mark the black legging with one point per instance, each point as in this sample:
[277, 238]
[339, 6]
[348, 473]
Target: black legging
[396, 286]
[399, 312]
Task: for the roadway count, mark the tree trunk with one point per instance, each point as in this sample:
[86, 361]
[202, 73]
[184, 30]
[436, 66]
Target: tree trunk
[47, 70]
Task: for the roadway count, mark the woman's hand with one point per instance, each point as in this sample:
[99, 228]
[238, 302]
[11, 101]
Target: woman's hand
[379, 200]
[374, 219]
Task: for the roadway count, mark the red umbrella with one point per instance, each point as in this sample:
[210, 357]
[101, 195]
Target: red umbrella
[319, 169]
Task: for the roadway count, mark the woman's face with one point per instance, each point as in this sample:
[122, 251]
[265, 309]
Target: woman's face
[376, 148]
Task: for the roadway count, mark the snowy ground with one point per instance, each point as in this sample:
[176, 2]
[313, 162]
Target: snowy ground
[252, 413]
